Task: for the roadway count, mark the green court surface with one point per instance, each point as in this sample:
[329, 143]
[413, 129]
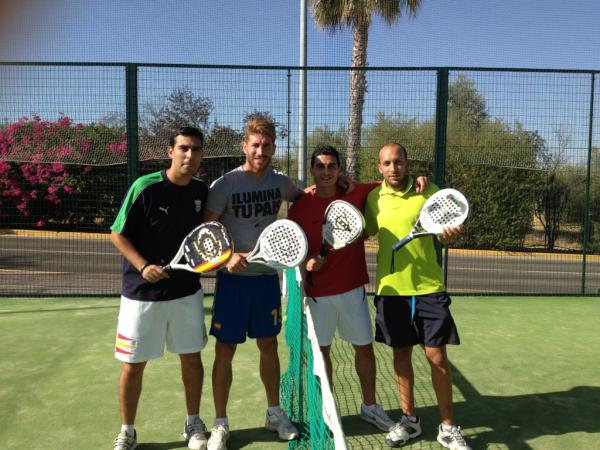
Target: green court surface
[526, 377]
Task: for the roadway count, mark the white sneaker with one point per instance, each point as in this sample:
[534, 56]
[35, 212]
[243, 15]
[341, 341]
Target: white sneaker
[195, 435]
[218, 438]
[377, 416]
[402, 431]
[452, 439]
[280, 422]
[123, 441]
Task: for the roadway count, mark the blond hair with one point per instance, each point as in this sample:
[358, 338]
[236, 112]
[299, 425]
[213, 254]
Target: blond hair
[260, 125]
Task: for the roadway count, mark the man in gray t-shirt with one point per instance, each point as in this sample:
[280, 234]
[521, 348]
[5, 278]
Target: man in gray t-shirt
[247, 204]
[247, 296]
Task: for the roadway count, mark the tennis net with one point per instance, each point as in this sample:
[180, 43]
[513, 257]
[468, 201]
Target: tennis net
[305, 391]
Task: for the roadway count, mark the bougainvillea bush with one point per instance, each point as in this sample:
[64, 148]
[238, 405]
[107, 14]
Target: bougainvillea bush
[59, 174]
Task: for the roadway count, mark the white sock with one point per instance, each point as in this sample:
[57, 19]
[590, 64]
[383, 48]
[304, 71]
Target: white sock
[369, 407]
[447, 427]
[413, 419]
[129, 429]
[221, 421]
[191, 419]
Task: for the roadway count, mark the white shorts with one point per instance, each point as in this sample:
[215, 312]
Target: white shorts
[145, 327]
[349, 312]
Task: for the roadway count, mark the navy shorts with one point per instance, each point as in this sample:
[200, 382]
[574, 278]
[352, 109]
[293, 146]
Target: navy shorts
[431, 325]
[246, 306]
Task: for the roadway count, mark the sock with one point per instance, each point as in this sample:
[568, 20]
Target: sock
[447, 427]
[413, 419]
[369, 407]
[191, 419]
[221, 421]
[274, 410]
[129, 429]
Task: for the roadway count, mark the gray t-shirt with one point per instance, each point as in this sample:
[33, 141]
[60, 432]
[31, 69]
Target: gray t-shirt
[247, 205]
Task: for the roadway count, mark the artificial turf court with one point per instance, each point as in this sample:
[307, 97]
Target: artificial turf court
[526, 377]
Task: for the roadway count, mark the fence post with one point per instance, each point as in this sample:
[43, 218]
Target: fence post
[441, 118]
[131, 119]
[588, 180]
[439, 157]
[289, 115]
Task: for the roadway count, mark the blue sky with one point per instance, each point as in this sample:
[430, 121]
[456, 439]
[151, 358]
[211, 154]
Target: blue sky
[492, 33]
[540, 34]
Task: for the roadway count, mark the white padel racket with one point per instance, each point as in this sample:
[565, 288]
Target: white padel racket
[281, 245]
[343, 225]
[207, 247]
[445, 208]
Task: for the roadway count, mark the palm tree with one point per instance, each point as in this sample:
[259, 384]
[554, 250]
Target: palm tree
[332, 15]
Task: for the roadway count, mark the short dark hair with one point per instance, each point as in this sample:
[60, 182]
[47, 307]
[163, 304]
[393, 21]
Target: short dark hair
[187, 131]
[324, 150]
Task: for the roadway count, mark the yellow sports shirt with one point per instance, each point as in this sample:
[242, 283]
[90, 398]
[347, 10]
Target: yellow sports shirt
[392, 214]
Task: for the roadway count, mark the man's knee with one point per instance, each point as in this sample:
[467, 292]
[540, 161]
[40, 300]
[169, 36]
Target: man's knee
[402, 354]
[192, 360]
[437, 356]
[267, 346]
[364, 352]
[133, 370]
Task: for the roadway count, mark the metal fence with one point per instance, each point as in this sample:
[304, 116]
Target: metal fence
[523, 145]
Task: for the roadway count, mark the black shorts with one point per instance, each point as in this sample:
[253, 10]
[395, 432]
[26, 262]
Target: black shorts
[432, 324]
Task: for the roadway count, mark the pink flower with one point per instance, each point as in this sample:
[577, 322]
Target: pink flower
[64, 122]
[68, 189]
[64, 151]
[53, 199]
[85, 145]
[4, 168]
[40, 223]
[58, 167]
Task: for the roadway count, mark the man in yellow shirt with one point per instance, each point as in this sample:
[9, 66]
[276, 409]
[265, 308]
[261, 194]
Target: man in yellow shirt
[411, 300]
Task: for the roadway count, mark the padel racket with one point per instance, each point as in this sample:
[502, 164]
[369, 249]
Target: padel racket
[281, 245]
[343, 225]
[445, 208]
[207, 247]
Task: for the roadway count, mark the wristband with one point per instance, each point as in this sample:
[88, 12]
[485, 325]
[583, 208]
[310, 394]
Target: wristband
[143, 267]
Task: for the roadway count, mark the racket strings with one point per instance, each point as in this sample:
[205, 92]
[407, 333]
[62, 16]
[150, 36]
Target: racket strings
[211, 247]
[283, 244]
[445, 211]
[342, 226]
[208, 246]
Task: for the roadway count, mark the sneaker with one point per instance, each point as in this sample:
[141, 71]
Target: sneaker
[123, 441]
[452, 439]
[280, 422]
[402, 431]
[218, 438]
[195, 435]
[377, 416]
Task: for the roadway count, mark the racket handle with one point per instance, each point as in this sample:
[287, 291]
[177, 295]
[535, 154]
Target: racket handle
[398, 245]
[324, 251]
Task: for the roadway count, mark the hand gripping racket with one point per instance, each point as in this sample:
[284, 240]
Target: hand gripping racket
[343, 225]
[205, 248]
[281, 245]
[445, 208]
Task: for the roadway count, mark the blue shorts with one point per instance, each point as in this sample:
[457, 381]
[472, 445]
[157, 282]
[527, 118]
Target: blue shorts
[430, 324]
[246, 305]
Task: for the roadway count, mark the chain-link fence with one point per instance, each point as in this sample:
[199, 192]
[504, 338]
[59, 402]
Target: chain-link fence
[523, 145]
